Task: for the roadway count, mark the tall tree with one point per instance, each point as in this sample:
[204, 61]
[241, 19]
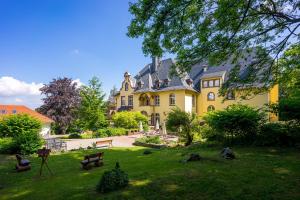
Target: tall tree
[91, 112]
[289, 70]
[214, 31]
[60, 101]
[289, 82]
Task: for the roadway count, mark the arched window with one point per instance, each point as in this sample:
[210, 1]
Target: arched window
[172, 100]
[211, 96]
[126, 86]
[210, 108]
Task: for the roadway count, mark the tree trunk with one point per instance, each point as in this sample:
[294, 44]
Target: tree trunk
[189, 138]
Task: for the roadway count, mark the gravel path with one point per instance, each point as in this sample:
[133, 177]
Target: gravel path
[117, 141]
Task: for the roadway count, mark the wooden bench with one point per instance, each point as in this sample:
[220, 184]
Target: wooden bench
[22, 164]
[104, 143]
[96, 158]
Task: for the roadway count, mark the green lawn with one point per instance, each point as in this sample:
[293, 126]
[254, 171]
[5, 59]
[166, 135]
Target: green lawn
[257, 173]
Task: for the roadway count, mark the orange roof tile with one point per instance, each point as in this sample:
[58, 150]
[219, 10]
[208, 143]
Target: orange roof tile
[17, 109]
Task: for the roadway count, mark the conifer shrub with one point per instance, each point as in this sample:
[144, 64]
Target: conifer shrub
[113, 180]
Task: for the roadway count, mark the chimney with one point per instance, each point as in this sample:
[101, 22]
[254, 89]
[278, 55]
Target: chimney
[155, 63]
[205, 68]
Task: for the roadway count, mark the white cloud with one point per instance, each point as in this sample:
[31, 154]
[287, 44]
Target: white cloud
[18, 100]
[10, 86]
[79, 83]
[14, 91]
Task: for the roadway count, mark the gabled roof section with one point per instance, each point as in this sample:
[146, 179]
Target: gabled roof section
[20, 109]
[146, 80]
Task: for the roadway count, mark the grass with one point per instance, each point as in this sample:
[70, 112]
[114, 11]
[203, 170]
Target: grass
[257, 173]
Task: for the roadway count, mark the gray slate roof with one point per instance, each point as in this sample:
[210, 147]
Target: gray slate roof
[148, 76]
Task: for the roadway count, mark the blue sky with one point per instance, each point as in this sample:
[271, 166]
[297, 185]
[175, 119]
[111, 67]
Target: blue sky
[42, 40]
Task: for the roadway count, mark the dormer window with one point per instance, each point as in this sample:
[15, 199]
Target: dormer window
[157, 84]
[189, 81]
[166, 82]
[211, 83]
[230, 95]
[126, 86]
[140, 84]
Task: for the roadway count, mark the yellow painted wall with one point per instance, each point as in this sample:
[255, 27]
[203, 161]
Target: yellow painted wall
[164, 106]
[273, 98]
[201, 100]
[124, 93]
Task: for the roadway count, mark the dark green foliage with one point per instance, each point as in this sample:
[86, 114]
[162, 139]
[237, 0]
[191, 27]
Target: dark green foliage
[130, 120]
[289, 83]
[198, 30]
[24, 130]
[8, 146]
[113, 180]
[236, 122]
[147, 152]
[74, 136]
[279, 134]
[184, 123]
[289, 107]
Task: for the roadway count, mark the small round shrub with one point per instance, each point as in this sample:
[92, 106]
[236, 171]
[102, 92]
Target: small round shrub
[113, 180]
[150, 140]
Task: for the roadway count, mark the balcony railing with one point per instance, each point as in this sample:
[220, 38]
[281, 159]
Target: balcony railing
[125, 108]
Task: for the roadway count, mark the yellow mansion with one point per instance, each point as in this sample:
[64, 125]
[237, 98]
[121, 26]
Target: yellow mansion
[153, 92]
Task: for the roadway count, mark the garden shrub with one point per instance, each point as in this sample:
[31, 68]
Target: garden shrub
[108, 132]
[150, 140]
[100, 133]
[130, 120]
[184, 123]
[24, 130]
[113, 180]
[7, 145]
[111, 131]
[279, 134]
[237, 122]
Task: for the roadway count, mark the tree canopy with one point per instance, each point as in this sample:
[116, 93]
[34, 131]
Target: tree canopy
[214, 31]
[91, 112]
[61, 100]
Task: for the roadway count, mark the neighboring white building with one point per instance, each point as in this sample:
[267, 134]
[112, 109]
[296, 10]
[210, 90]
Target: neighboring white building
[19, 109]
